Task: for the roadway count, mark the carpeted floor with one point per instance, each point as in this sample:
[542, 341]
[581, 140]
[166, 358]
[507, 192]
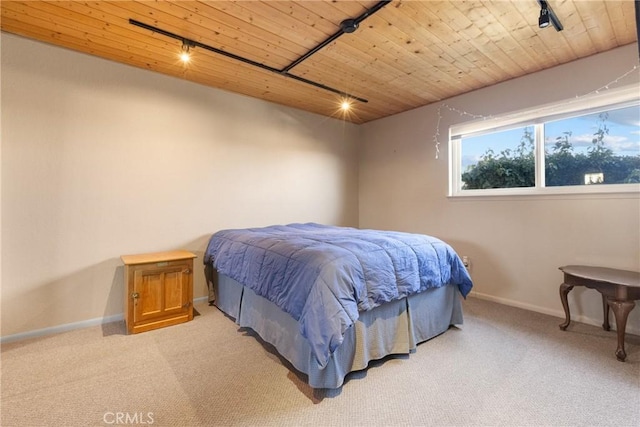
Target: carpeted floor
[504, 367]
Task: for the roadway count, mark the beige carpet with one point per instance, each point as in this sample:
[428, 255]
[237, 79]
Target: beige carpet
[503, 367]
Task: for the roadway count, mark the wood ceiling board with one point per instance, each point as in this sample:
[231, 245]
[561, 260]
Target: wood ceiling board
[622, 21]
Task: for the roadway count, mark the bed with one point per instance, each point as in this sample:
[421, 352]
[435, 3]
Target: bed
[331, 299]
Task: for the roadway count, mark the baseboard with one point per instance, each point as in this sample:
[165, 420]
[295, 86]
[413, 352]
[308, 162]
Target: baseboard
[200, 299]
[71, 326]
[61, 328]
[550, 312]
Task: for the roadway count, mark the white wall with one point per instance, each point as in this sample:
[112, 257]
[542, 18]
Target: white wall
[100, 159]
[515, 244]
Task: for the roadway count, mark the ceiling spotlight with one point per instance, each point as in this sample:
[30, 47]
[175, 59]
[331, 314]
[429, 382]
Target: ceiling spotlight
[346, 105]
[548, 16]
[543, 20]
[185, 55]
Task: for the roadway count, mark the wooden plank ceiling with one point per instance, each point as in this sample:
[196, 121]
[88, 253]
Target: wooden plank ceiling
[405, 55]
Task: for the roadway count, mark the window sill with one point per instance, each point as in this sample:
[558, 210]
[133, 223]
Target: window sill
[613, 191]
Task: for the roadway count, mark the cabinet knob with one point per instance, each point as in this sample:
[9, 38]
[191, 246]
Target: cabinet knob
[187, 271]
[135, 295]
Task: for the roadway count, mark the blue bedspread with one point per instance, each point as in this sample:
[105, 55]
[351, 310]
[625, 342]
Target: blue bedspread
[323, 275]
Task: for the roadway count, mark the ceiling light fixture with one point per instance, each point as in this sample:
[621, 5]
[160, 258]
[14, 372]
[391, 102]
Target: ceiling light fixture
[548, 16]
[185, 54]
[543, 20]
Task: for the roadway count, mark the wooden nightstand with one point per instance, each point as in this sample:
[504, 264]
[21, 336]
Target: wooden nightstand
[158, 290]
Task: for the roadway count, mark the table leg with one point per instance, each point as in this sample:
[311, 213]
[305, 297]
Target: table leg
[621, 311]
[605, 309]
[564, 290]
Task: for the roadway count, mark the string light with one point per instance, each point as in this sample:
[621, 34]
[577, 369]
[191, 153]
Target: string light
[436, 136]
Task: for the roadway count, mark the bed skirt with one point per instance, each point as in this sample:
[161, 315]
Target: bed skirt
[393, 328]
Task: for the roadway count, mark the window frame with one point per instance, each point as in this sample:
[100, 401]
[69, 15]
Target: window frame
[589, 104]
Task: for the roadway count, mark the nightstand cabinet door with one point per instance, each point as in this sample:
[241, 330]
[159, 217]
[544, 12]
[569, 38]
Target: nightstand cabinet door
[159, 290]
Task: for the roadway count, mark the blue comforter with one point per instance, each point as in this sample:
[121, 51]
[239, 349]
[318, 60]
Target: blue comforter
[323, 275]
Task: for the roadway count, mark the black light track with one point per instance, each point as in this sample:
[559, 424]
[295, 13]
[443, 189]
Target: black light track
[346, 26]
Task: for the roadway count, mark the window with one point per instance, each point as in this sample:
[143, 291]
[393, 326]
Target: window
[600, 148]
[591, 146]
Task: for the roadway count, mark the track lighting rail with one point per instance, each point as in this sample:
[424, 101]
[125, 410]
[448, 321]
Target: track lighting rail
[244, 60]
[346, 26]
